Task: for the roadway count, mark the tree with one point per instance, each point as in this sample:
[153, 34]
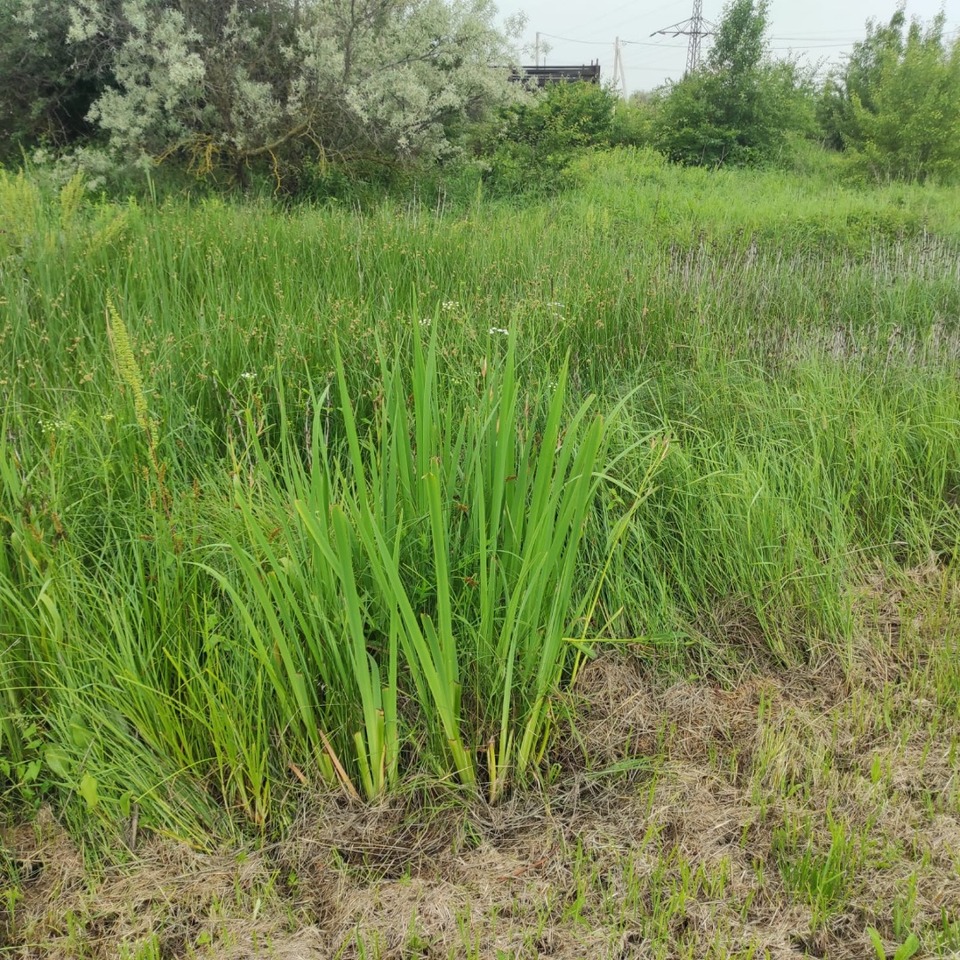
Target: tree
[739, 47]
[895, 107]
[857, 81]
[228, 84]
[740, 107]
[49, 84]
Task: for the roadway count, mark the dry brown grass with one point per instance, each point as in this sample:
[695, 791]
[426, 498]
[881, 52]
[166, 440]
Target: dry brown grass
[680, 857]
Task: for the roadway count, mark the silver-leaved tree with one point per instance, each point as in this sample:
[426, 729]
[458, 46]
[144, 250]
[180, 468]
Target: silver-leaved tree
[227, 83]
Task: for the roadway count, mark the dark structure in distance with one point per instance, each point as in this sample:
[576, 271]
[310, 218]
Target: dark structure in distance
[541, 76]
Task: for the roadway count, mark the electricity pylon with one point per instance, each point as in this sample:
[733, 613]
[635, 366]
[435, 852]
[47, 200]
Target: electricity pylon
[696, 28]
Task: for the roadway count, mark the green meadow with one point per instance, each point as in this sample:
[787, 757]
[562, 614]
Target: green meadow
[561, 541]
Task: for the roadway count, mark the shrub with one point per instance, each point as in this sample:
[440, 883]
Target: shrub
[896, 105]
[741, 108]
[536, 142]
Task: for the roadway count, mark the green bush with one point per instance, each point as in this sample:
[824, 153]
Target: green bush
[895, 108]
[48, 84]
[537, 141]
[322, 181]
[741, 108]
[632, 124]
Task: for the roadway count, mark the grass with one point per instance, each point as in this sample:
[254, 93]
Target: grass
[314, 499]
[776, 817]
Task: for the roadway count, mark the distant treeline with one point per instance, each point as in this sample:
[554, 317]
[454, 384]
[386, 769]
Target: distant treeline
[315, 97]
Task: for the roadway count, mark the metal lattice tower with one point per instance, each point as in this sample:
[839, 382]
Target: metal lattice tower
[696, 28]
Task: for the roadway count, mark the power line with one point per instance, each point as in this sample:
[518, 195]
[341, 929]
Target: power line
[603, 16]
[596, 43]
[606, 43]
[815, 46]
[681, 46]
[642, 13]
[816, 38]
[690, 28]
[656, 46]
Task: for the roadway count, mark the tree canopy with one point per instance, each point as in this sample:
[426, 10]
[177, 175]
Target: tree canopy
[305, 90]
[895, 105]
[225, 83]
[740, 106]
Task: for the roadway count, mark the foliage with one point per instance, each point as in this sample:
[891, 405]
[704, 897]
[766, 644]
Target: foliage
[740, 108]
[232, 86]
[904, 951]
[632, 124]
[49, 84]
[739, 46]
[535, 142]
[896, 104]
[431, 575]
[857, 81]
[226, 547]
[800, 761]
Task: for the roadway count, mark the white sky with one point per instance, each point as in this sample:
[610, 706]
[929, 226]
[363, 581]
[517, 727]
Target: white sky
[821, 30]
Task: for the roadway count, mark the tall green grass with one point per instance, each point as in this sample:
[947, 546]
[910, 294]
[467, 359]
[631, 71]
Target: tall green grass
[298, 512]
[435, 551]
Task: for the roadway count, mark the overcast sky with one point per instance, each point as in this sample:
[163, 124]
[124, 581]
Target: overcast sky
[822, 30]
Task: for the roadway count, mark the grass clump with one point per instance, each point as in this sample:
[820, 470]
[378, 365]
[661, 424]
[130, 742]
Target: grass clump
[440, 546]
